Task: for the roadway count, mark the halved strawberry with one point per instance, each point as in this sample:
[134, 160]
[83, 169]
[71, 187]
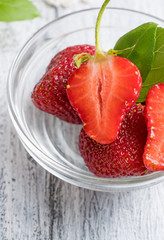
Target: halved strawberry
[123, 157]
[154, 112]
[102, 91]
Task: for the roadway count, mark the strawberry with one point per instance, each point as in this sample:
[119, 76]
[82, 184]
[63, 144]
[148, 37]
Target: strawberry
[103, 90]
[154, 112]
[49, 94]
[123, 157]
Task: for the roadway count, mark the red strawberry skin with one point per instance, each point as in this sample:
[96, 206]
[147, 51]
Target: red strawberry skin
[102, 92]
[154, 112]
[123, 157]
[49, 94]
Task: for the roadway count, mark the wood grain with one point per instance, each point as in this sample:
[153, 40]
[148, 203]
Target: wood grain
[35, 205]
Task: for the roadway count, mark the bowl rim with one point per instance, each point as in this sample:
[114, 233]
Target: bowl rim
[58, 169]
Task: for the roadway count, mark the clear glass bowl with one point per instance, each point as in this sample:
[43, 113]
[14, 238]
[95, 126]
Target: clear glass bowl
[51, 142]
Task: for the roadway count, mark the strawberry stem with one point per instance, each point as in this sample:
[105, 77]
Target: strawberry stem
[99, 51]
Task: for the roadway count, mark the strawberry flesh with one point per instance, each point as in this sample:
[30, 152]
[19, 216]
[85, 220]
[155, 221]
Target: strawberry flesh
[154, 112]
[123, 157]
[102, 92]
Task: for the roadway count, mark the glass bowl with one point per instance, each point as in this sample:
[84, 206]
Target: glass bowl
[51, 142]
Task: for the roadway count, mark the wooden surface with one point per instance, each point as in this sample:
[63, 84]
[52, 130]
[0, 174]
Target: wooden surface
[35, 205]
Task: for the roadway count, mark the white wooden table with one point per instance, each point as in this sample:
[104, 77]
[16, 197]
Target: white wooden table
[34, 204]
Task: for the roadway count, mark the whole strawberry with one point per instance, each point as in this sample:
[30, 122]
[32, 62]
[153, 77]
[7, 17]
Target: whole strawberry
[123, 157]
[49, 94]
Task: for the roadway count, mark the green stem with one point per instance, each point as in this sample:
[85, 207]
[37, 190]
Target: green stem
[97, 29]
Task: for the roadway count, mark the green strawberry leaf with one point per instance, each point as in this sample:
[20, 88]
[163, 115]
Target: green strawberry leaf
[142, 41]
[81, 58]
[125, 51]
[156, 75]
[16, 10]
